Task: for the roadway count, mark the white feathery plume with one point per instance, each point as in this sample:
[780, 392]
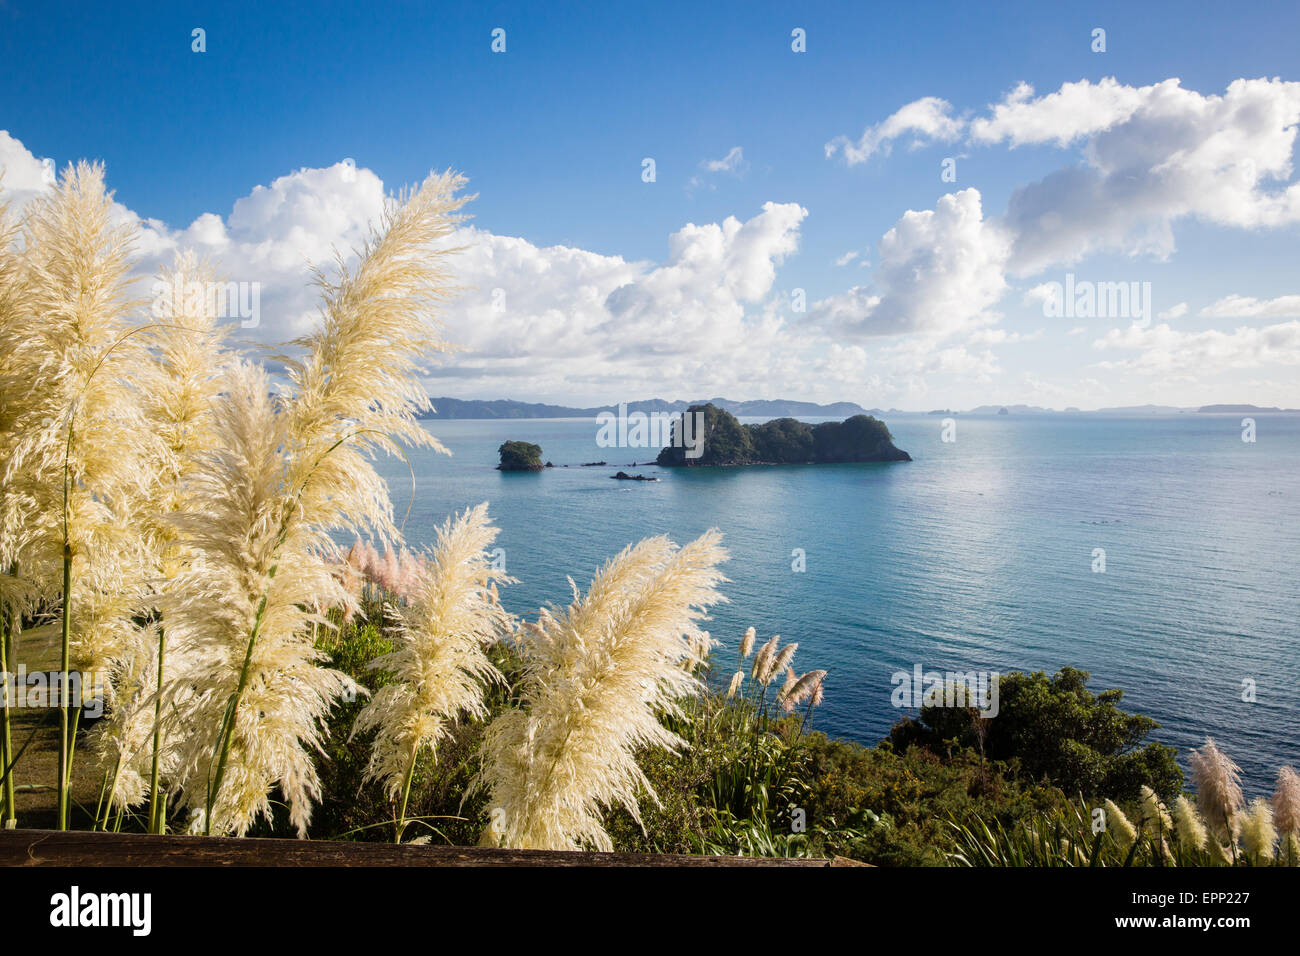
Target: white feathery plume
[1155, 818]
[1258, 834]
[808, 686]
[440, 666]
[733, 688]
[16, 400]
[1118, 824]
[1188, 824]
[80, 426]
[255, 573]
[179, 385]
[1286, 801]
[747, 643]
[783, 659]
[78, 452]
[783, 695]
[358, 388]
[1218, 787]
[1221, 855]
[763, 661]
[598, 677]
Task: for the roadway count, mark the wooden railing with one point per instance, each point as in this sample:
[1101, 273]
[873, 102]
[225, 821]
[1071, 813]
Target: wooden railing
[80, 848]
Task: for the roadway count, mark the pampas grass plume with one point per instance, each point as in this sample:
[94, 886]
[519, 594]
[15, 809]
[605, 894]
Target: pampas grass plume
[1119, 825]
[440, 667]
[1286, 801]
[1258, 834]
[1218, 786]
[599, 675]
[747, 643]
[1188, 824]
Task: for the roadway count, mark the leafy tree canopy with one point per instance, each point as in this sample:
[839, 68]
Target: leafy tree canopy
[1060, 731]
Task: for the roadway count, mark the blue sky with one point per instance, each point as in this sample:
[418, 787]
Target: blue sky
[553, 132]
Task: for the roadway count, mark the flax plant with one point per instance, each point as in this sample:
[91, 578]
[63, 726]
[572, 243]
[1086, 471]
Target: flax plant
[756, 773]
[599, 676]
[440, 667]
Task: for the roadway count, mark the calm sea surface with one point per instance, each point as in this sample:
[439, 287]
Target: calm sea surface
[977, 555]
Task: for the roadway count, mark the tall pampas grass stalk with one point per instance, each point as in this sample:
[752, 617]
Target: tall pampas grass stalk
[1155, 817]
[76, 463]
[10, 620]
[1286, 813]
[15, 395]
[179, 386]
[358, 389]
[440, 667]
[291, 472]
[599, 675]
[1217, 780]
[248, 693]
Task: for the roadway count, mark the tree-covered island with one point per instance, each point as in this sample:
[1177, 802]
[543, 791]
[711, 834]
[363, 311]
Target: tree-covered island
[782, 441]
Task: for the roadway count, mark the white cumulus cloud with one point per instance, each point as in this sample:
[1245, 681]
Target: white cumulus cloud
[939, 270]
[927, 120]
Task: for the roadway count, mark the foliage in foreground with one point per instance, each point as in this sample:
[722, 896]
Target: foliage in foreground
[755, 778]
[1059, 731]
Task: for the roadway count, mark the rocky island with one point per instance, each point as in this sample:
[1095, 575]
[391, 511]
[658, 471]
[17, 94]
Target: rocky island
[520, 456]
[782, 441]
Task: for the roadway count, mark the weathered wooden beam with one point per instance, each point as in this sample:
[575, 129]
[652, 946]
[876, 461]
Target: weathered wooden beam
[80, 848]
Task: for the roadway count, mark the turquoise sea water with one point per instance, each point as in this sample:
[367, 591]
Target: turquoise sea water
[976, 555]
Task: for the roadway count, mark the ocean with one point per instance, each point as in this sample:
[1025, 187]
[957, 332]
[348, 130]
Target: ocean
[981, 554]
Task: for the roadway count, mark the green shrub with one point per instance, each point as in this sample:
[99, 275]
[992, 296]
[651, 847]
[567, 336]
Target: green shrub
[1059, 732]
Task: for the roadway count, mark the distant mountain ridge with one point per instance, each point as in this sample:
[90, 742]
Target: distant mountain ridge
[781, 408]
[507, 408]
[1127, 410]
[1217, 409]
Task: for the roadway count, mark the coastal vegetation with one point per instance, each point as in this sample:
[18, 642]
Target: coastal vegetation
[755, 776]
[781, 441]
[1058, 730]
